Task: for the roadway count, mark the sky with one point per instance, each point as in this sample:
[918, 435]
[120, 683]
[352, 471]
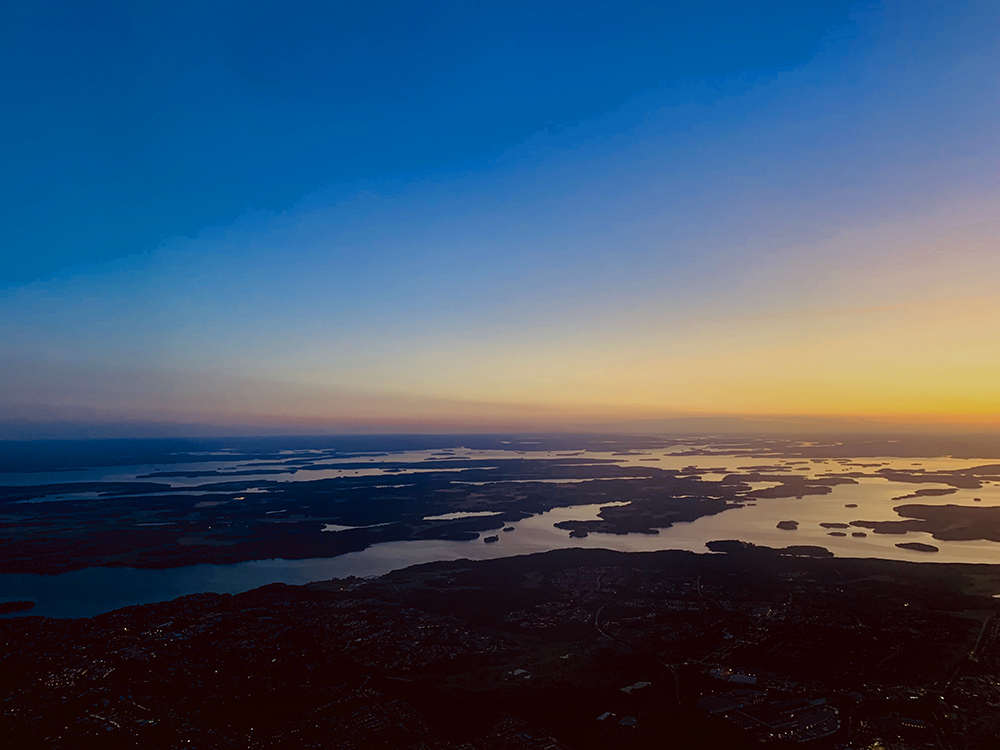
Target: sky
[422, 217]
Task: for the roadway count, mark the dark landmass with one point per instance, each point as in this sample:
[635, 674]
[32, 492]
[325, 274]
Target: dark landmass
[648, 515]
[917, 546]
[966, 480]
[836, 533]
[859, 534]
[217, 473]
[57, 455]
[832, 525]
[881, 527]
[54, 455]
[462, 462]
[244, 511]
[151, 525]
[734, 547]
[850, 505]
[717, 651]
[944, 522]
[692, 469]
[788, 525]
[21, 606]
[986, 470]
[970, 478]
[791, 485]
[845, 447]
[928, 492]
[18, 495]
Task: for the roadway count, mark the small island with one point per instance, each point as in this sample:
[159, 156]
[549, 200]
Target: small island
[945, 522]
[7, 608]
[788, 525]
[736, 547]
[917, 546]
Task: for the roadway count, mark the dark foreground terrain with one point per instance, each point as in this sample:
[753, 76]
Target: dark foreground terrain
[573, 648]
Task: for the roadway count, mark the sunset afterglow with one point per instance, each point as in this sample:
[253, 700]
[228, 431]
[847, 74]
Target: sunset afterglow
[800, 224]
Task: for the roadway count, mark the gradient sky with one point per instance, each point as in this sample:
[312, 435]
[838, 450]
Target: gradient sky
[429, 216]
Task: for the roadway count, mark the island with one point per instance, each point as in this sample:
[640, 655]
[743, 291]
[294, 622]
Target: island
[944, 522]
[917, 546]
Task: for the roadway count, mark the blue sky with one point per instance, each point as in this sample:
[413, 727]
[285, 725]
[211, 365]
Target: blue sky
[134, 122]
[434, 214]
